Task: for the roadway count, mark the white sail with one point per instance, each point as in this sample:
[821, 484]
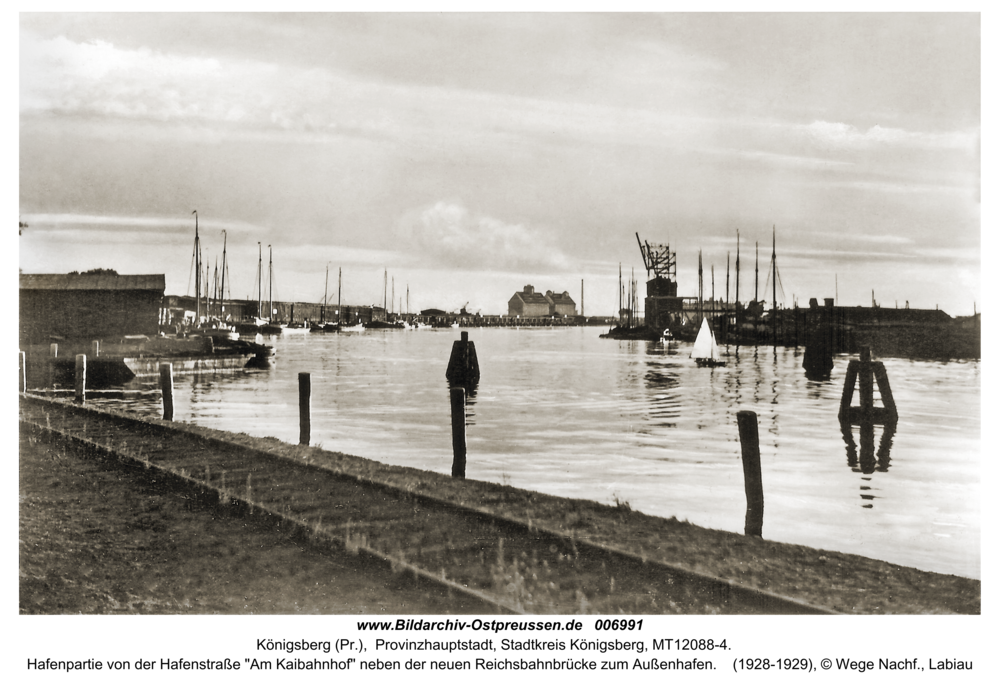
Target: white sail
[705, 347]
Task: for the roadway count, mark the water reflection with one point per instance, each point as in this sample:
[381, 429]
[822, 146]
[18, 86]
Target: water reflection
[470, 389]
[867, 460]
[664, 406]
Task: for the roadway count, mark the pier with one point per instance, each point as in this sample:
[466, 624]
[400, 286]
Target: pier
[517, 550]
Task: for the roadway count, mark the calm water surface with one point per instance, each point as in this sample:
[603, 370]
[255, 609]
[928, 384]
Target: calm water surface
[565, 412]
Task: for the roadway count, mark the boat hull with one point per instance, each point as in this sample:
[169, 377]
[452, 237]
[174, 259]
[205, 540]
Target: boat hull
[193, 364]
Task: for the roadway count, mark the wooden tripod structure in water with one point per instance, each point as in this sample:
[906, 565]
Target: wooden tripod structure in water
[865, 374]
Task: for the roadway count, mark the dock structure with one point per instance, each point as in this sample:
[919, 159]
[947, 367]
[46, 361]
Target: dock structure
[515, 550]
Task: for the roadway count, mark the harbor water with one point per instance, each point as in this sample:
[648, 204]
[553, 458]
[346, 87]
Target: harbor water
[565, 412]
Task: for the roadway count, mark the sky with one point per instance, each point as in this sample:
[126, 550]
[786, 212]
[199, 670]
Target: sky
[467, 155]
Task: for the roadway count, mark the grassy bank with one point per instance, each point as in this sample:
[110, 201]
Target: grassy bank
[96, 538]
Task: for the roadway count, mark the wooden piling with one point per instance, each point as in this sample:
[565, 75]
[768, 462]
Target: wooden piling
[865, 374]
[53, 350]
[305, 391]
[866, 386]
[463, 365]
[95, 348]
[882, 379]
[749, 442]
[22, 373]
[458, 431]
[81, 378]
[848, 394]
[167, 389]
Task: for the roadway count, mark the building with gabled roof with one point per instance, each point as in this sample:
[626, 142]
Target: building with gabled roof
[529, 303]
[562, 304]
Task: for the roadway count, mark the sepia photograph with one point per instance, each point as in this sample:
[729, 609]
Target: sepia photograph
[481, 314]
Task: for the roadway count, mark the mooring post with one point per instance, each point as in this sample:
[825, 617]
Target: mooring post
[866, 385]
[81, 378]
[749, 442]
[305, 390]
[882, 379]
[22, 373]
[458, 431]
[463, 365]
[848, 393]
[95, 348]
[50, 372]
[167, 389]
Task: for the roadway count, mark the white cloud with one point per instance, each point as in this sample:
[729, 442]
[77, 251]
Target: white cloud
[180, 224]
[841, 135]
[449, 235]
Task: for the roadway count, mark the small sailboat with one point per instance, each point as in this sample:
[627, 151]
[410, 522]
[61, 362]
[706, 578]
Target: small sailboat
[705, 351]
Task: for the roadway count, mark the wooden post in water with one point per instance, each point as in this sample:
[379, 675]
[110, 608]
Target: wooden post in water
[458, 431]
[866, 386]
[22, 373]
[167, 389]
[882, 379]
[51, 372]
[463, 365]
[848, 394]
[749, 442]
[865, 374]
[305, 390]
[81, 378]
[95, 348]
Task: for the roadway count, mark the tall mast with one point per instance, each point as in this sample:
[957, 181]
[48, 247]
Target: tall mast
[197, 271]
[737, 277]
[385, 292]
[394, 291]
[260, 278]
[340, 273]
[756, 269]
[222, 287]
[727, 278]
[270, 284]
[713, 290]
[207, 292]
[633, 305]
[325, 286]
[700, 296]
[215, 285]
[774, 287]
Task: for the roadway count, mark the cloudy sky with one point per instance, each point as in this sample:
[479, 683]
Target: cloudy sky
[471, 154]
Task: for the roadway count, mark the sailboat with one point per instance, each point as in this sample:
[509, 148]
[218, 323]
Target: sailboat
[385, 323]
[324, 324]
[705, 351]
[270, 328]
